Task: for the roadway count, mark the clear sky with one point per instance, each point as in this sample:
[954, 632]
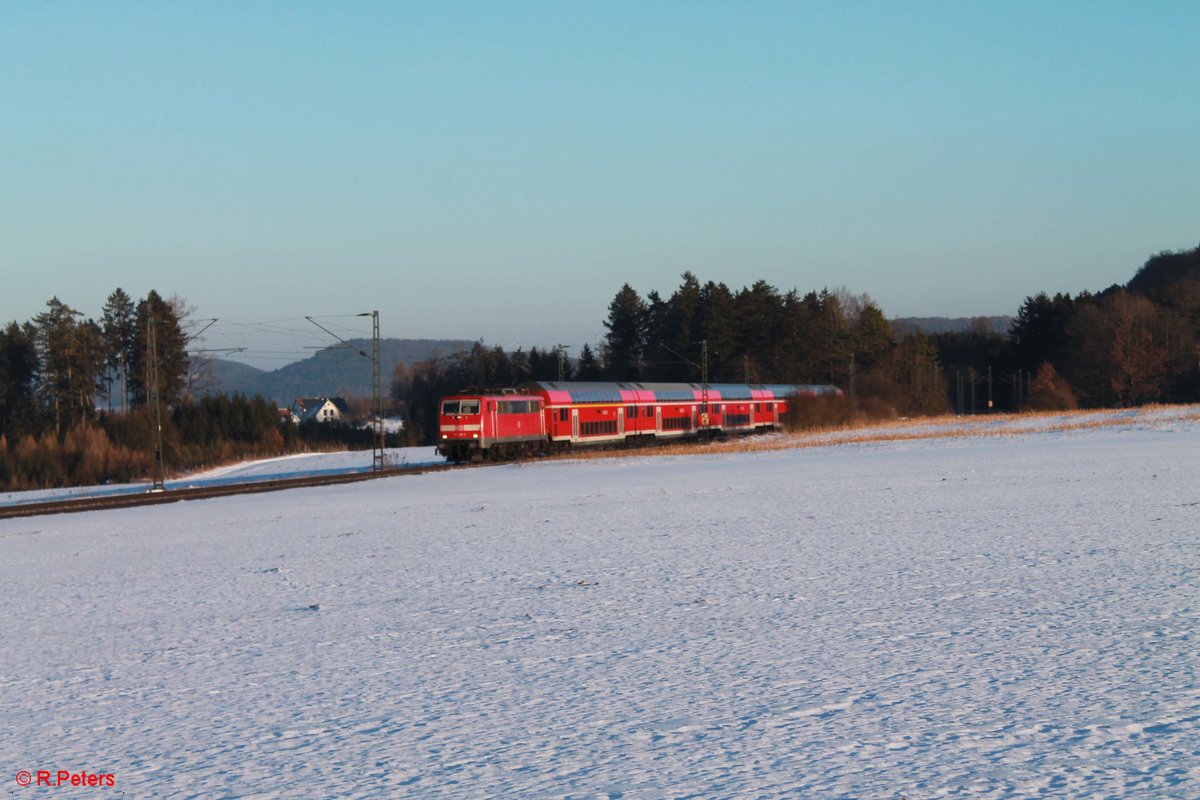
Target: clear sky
[498, 170]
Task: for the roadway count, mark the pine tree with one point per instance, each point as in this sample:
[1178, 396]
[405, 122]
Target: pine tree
[625, 340]
[118, 324]
[171, 346]
[873, 340]
[71, 356]
[519, 365]
[714, 323]
[1039, 333]
[18, 379]
[679, 331]
[657, 361]
[587, 368]
[757, 316]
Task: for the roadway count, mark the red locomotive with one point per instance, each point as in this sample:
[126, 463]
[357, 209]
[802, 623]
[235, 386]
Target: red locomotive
[542, 415]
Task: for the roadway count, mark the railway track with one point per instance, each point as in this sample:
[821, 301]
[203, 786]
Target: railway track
[148, 498]
[132, 499]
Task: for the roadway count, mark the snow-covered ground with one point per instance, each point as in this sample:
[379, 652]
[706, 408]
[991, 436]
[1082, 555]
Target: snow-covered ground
[293, 466]
[320, 462]
[971, 617]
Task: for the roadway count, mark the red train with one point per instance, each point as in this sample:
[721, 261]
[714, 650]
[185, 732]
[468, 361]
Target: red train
[542, 416]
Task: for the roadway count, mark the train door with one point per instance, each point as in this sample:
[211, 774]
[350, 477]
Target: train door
[575, 424]
[658, 419]
[620, 421]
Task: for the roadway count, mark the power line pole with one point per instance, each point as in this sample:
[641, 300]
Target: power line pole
[156, 402]
[378, 440]
[704, 381]
[561, 351]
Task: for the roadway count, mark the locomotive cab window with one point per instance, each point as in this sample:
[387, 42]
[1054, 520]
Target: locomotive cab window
[452, 407]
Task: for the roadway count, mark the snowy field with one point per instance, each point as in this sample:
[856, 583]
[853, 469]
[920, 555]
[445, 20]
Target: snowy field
[293, 466]
[959, 617]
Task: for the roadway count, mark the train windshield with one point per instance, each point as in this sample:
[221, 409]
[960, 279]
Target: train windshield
[452, 407]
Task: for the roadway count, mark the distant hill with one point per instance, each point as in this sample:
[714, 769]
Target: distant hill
[335, 371]
[903, 326]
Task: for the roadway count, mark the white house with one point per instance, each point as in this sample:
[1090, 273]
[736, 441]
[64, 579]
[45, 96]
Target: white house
[321, 409]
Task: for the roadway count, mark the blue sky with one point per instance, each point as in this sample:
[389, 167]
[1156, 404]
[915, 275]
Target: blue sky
[498, 170]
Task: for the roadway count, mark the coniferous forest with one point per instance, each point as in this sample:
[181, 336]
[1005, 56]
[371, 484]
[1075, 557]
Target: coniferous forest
[75, 400]
[1126, 345]
[75, 393]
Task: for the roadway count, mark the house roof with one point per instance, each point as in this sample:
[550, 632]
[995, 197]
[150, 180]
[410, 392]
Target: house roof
[309, 407]
[304, 403]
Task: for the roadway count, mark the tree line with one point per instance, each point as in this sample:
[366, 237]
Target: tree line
[75, 392]
[755, 335]
[760, 334]
[76, 396]
[1125, 345]
[55, 367]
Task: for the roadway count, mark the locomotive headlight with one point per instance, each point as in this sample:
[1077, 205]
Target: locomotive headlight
[474, 435]
[445, 436]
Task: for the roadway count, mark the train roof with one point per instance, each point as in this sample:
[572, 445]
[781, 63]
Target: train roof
[620, 392]
[492, 394]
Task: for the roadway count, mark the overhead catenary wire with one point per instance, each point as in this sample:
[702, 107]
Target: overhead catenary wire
[259, 341]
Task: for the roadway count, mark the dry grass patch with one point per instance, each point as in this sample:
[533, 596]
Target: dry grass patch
[904, 430]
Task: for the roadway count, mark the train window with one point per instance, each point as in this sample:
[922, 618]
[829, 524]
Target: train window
[758, 406]
[630, 411]
[513, 406]
[770, 406]
[452, 407]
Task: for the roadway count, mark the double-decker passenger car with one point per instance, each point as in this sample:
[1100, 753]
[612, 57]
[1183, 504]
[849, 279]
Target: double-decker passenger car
[543, 415]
